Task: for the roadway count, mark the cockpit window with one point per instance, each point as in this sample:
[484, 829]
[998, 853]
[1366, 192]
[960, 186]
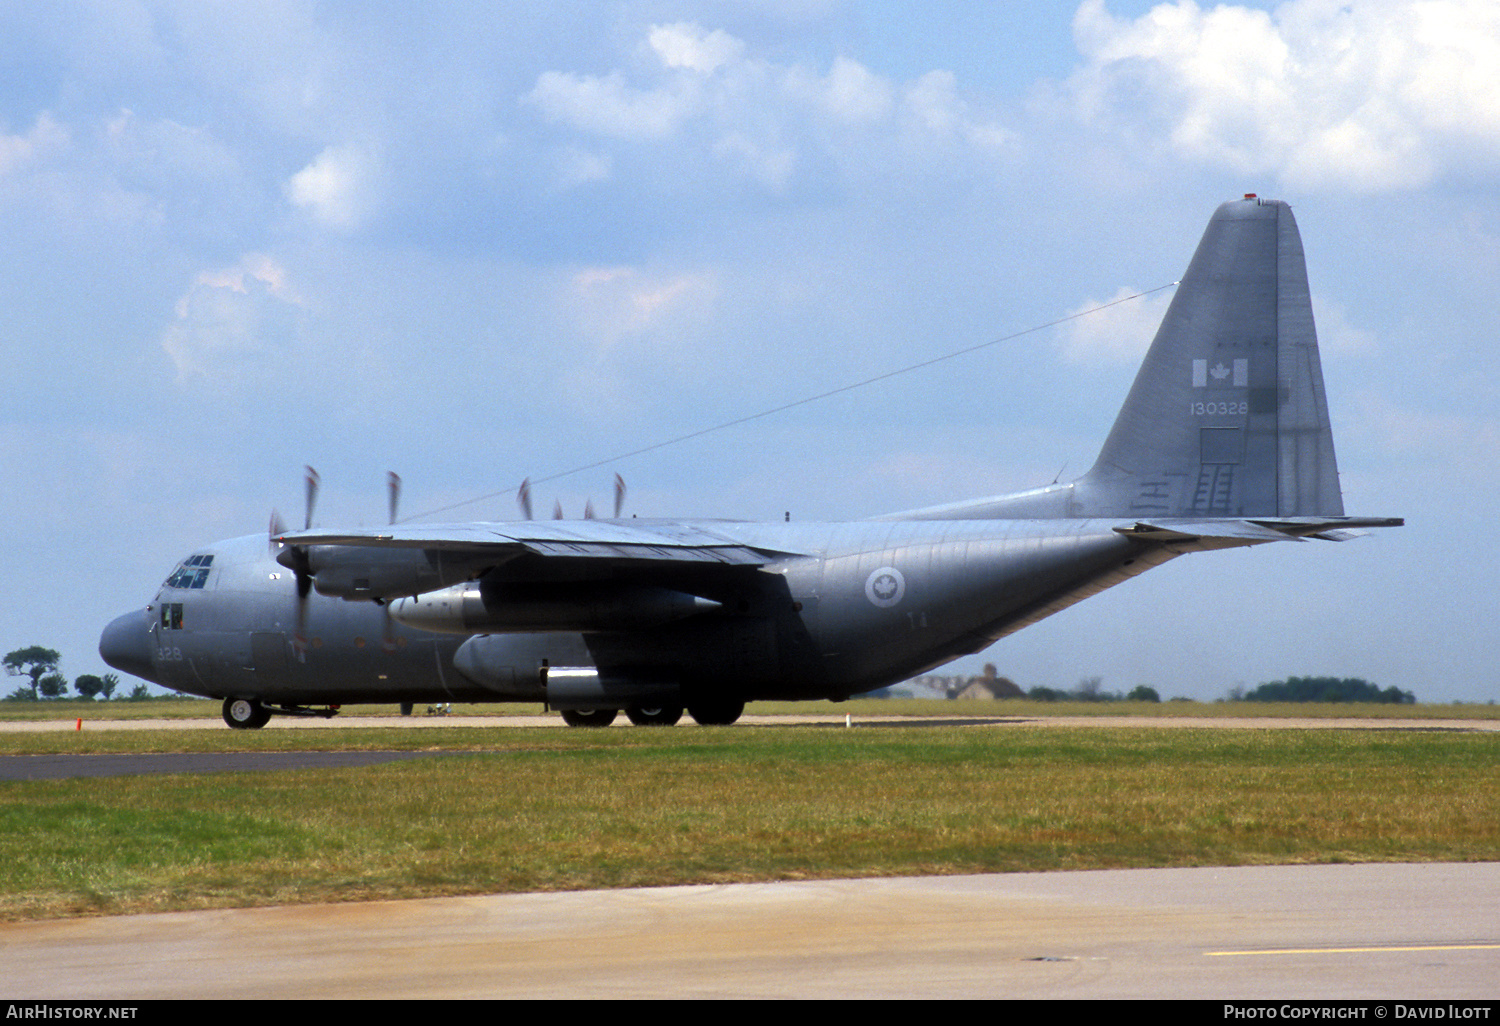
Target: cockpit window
[192, 572]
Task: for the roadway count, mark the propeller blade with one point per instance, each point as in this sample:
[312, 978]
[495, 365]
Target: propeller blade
[299, 638]
[393, 484]
[302, 568]
[588, 509]
[557, 510]
[276, 530]
[313, 480]
[523, 498]
[296, 558]
[388, 631]
[619, 495]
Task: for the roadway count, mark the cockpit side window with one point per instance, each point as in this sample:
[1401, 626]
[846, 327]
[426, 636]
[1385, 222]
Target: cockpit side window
[192, 572]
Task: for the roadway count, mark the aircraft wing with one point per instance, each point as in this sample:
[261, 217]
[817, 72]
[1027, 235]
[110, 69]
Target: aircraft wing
[1225, 534]
[648, 541]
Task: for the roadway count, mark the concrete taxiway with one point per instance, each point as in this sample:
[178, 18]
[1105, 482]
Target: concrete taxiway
[1294, 932]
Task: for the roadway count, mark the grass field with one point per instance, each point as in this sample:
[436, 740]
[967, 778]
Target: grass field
[194, 708]
[566, 809]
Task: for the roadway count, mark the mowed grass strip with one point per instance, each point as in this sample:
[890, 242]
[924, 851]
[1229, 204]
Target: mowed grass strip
[584, 809]
[65, 711]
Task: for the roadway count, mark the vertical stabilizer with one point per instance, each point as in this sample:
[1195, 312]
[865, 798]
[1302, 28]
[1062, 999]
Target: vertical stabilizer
[1227, 416]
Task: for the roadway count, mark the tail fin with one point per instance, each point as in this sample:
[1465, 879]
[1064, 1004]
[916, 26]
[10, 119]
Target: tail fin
[1227, 416]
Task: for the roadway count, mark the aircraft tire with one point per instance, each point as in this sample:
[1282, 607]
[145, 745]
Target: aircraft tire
[661, 716]
[589, 717]
[719, 712]
[245, 714]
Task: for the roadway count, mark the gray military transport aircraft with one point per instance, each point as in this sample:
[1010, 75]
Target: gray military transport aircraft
[1223, 441]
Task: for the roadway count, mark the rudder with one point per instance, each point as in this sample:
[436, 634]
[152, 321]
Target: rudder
[1227, 416]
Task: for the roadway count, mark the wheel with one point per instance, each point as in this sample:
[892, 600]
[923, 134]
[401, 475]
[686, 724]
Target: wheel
[406, 708]
[717, 712]
[589, 717]
[245, 714]
[662, 716]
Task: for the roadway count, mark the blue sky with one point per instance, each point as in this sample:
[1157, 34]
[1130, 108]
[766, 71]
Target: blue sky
[477, 242]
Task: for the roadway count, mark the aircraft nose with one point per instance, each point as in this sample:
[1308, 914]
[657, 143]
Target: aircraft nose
[126, 645]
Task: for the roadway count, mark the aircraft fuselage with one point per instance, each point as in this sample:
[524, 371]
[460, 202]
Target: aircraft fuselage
[881, 602]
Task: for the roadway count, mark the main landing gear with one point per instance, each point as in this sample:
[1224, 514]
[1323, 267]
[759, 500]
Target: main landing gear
[716, 712]
[711, 712]
[589, 717]
[661, 716]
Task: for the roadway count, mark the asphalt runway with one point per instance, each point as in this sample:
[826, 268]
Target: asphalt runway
[1378, 932]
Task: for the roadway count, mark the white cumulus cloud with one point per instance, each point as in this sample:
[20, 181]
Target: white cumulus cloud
[1377, 96]
[607, 105]
[340, 188]
[17, 151]
[766, 121]
[1117, 330]
[685, 45]
[234, 322]
[615, 304]
[853, 93]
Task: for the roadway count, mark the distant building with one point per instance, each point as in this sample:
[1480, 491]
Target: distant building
[989, 686]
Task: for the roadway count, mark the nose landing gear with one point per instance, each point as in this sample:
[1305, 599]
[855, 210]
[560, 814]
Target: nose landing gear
[245, 714]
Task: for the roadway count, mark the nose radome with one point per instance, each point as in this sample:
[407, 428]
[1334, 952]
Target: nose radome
[126, 645]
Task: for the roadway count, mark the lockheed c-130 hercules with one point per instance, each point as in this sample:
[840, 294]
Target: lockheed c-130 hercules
[1223, 441]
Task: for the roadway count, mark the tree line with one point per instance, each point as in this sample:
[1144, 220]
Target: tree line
[39, 666]
[1326, 689]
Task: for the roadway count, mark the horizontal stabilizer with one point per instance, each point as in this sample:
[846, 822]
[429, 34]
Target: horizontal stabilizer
[1225, 534]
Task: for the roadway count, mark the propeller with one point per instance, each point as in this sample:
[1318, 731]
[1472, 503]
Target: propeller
[302, 564]
[523, 500]
[297, 558]
[388, 626]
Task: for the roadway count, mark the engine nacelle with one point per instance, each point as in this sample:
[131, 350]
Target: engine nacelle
[492, 607]
[490, 660]
[358, 572]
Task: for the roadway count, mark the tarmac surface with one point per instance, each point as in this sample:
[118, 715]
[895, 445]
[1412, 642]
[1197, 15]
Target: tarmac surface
[1386, 932]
